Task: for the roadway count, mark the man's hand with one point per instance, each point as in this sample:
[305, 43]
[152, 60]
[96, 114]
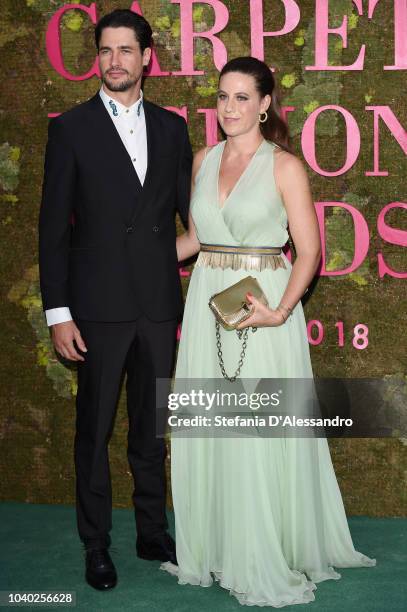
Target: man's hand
[63, 335]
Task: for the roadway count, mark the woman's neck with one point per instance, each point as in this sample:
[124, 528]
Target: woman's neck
[244, 144]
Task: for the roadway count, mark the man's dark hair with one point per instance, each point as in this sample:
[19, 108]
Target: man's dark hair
[124, 18]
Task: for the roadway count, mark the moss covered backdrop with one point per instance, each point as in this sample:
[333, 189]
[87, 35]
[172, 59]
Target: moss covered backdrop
[37, 391]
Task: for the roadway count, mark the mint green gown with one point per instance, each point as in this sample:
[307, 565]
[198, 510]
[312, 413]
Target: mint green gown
[263, 517]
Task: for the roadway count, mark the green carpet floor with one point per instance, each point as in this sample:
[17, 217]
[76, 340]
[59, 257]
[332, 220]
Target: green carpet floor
[40, 551]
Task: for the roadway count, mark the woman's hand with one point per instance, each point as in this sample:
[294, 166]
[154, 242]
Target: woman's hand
[187, 244]
[262, 316]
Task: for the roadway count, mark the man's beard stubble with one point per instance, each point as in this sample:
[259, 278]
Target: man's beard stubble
[121, 86]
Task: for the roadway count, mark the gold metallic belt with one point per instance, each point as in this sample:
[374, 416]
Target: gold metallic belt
[240, 257]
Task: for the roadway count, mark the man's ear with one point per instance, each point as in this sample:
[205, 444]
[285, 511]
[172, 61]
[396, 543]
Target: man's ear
[146, 56]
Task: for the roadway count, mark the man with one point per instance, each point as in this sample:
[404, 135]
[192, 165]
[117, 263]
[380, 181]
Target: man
[117, 168]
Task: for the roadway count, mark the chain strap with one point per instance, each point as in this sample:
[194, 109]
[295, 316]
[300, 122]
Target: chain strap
[240, 333]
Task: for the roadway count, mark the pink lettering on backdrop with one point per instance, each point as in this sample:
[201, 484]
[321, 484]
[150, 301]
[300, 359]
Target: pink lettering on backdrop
[322, 32]
[391, 235]
[154, 66]
[400, 32]
[211, 125]
[361, 240]
[183, 273]
[287, 252]
[395, 128]
[188, 35]
[53, 42]
[257, 33]
[284, 112]
[352, 140]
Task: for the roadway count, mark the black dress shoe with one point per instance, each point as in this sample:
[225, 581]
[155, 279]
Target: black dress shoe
[159, 548]
[100, 571]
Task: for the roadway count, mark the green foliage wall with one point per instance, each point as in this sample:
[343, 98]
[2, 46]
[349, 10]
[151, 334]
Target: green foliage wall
[37, 391]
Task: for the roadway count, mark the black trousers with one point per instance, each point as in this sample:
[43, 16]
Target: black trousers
[145, 351]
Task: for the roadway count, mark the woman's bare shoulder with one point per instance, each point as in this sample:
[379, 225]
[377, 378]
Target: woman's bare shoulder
[198, 159]
[288, 164]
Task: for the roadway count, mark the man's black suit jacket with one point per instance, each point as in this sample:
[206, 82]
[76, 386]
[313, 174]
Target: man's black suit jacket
[107, 243]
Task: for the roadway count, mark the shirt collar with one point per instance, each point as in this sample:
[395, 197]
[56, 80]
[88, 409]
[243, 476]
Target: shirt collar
[115, 109]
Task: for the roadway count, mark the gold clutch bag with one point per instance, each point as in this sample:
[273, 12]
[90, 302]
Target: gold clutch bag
[231, 307]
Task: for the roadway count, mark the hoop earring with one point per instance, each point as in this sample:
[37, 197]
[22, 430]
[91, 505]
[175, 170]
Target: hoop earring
[265, 118]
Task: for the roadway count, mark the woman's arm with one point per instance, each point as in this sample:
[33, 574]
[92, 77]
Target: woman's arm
[188, 243]
[292, 181]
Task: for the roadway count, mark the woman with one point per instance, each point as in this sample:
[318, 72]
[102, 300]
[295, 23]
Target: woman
[263, 516]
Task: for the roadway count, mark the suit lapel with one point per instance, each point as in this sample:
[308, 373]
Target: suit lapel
[152, 153]
[113, 145]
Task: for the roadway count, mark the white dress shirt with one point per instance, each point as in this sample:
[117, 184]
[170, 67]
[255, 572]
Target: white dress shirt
[130, 123]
